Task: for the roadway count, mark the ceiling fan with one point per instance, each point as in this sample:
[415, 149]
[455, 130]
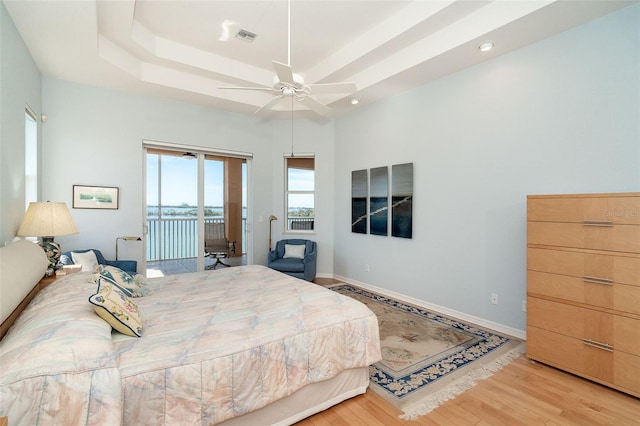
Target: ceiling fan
[288, 84]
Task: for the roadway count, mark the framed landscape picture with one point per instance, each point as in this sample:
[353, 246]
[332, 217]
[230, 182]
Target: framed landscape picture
[95, 197]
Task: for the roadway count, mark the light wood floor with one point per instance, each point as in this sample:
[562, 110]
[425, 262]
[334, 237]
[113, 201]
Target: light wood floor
[523, 393]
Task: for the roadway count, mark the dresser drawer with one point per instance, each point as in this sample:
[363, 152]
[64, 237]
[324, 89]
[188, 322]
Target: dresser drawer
[620, 238]
[620, 297]
[569, 353]
[593, 328]
[603, 280]
[613, 368]
[613, 208]
[603, 268]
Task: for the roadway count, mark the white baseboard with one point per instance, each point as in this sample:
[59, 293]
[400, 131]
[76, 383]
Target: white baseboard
[520, 334]
[324, 275]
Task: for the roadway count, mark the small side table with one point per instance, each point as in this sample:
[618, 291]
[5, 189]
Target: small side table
[44, 282]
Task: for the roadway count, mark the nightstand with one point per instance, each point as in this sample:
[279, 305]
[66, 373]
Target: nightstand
[44, 282]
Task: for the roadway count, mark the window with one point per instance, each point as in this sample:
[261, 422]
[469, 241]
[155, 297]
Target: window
[300, 193]
[30, 157]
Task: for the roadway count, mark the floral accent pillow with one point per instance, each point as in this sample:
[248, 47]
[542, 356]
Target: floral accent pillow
[131, 286]
[113, 306]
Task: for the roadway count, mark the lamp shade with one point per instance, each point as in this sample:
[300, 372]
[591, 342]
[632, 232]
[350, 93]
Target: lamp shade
[47, 220]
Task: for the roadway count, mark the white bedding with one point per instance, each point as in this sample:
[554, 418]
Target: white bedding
[215, 345]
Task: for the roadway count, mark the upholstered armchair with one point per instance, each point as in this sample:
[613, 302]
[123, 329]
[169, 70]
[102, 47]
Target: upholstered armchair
[129, 266]
[294, 257]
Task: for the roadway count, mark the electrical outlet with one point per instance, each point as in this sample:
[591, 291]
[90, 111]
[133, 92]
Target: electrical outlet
[494, 298]
[366, 267]
[524, 306]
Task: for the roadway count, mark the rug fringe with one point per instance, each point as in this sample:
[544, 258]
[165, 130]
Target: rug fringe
[459, 386]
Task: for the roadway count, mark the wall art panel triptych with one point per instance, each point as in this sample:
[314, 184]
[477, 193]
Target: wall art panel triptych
[373, 186]
[379, 201]
[359, 190]
[402, 200]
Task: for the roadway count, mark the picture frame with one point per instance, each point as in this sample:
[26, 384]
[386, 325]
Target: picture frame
[95, 197]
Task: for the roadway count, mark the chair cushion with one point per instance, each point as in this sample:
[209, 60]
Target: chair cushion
[287, 265]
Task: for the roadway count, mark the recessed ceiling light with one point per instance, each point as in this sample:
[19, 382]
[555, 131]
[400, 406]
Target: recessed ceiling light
[486, 46]
[354, 101]
[246, 35]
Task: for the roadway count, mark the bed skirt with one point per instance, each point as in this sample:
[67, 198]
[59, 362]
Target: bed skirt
[307, 401]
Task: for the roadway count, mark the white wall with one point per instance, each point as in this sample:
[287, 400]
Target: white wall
[559, 116]
[20, 85]
[94, 137]
[314, 136]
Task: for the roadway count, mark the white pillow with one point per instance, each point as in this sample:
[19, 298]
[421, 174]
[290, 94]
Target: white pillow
[295, 251]
[87, 260]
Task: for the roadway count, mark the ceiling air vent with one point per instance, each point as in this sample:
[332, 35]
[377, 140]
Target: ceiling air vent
[245, 35]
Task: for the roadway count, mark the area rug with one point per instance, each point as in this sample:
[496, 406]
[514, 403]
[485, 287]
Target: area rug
[428, 358]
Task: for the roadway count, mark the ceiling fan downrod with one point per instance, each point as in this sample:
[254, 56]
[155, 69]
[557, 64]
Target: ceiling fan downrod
[289, 32]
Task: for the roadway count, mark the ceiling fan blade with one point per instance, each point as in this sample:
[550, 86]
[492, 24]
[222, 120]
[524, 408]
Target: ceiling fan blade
[316, 106]
[333, 88]
[269, 104]
[266, 89]
[283, 71]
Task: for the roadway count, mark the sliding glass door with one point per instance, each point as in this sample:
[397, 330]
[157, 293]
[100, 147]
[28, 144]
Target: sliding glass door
[185, 191]
[172, 206]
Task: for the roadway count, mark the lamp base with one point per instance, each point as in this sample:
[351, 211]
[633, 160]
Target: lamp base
[53, 251]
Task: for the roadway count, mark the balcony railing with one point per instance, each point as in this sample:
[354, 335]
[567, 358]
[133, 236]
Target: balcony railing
[169, 239]
[301, 223]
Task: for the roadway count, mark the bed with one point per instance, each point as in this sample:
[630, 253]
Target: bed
[244, 345]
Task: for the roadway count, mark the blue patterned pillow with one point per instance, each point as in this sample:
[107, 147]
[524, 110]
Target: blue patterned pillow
[125, 282]
[113, 306]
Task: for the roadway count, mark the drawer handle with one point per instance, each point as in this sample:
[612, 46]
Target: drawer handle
[598, 345]
[597, 223]
[597, 280]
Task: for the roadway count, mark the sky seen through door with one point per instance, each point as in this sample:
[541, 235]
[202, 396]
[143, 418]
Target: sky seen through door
[180, 177]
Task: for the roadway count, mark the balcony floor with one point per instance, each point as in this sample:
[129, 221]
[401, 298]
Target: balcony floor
[162, 268]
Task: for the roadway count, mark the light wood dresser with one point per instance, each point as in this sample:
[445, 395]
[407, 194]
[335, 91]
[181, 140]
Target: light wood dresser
[583, 286]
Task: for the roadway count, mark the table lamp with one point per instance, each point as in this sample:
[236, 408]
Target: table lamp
[47, 220]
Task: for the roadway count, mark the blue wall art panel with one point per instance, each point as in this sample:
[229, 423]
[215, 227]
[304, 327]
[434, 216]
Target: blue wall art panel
[359, 187]
[402, 200]
[379, 201]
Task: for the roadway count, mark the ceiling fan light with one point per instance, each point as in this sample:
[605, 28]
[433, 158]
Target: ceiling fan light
[486, 46]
